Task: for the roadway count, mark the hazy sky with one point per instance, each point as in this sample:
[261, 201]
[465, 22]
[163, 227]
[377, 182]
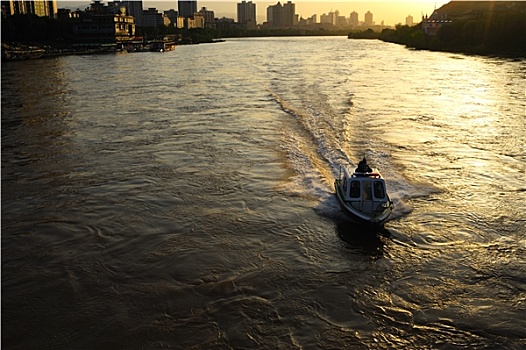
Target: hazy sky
[389, 11]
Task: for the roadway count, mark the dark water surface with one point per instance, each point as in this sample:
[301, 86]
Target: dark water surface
[184, 199]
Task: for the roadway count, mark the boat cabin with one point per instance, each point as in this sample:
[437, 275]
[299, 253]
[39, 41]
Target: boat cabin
[364, 191]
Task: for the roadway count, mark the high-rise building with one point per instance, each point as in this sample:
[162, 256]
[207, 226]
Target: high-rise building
[53, 8]
[134, 8]
[186, 8]
[42, 8]
[246, 12]
[329, 19]
[409, 20]
[332, 18]
[172, 16]
[101, 24]
[279, 16]
[153, 18]
[288, 14]
[208, 17]
[341, 21]
[353, 19]
[274, 15]
[324, 19]
[369, 19]
[38, 8]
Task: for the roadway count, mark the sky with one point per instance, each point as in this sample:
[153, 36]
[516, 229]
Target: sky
[389, 11]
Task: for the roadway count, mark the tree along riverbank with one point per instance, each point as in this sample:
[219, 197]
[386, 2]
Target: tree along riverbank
[478, 27]
[466, 38]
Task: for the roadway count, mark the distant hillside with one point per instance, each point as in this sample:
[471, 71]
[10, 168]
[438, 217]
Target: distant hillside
[477, 27]
[471, 10]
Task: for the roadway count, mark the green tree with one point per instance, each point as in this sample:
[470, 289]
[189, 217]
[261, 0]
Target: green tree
[418, 39]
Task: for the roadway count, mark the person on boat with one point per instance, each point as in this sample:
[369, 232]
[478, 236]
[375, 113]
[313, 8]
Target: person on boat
[363, 167]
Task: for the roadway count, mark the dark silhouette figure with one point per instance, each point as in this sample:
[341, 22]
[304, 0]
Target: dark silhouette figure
[363, 167]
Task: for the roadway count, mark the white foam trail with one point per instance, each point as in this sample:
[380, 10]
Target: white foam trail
[316, 148]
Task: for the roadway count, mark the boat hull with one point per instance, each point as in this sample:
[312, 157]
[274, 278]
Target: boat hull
[357, 216]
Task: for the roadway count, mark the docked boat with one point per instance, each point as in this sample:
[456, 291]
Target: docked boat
[362, 195]
[162, 46]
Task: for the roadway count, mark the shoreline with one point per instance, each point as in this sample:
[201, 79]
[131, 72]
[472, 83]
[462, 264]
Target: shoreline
[470, 50]
[17, 51]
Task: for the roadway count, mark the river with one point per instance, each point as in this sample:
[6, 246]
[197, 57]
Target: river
[184, 199]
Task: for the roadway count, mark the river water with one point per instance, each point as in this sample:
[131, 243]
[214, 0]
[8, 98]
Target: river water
[184, 199]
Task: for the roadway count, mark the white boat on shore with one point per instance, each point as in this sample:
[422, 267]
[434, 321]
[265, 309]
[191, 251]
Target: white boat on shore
[362, 195]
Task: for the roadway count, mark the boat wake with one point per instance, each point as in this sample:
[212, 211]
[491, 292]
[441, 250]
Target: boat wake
[318, 139]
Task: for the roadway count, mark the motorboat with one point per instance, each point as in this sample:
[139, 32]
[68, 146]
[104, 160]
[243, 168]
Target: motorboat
[362, 195]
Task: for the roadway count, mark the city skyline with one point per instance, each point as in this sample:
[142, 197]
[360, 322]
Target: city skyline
[390, 12]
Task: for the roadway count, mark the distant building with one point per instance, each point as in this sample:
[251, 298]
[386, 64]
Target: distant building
[274, 15]
[224, 23]
[172, 16]
[246, 14]
[134, 8]
[208, 17]
[307, 22]
[368, 19]
[339, 21]
[97, 7]
[281, 16]
[42, 8]
[431, 25]
[334, 17]
[324, 19]
[409, 21]
[152, 18]
[67, 14]
[353, 19]
[288, 14]
[98, 25]
[196, 21]
[186, 8]
[180, 22]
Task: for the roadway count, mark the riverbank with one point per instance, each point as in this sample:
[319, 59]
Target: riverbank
[15, 51]
[487, 28]
[416, 39]
[24, 51]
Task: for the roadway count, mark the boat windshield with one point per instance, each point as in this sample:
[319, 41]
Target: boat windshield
[364, 189]
[355, 189]
[379, 191]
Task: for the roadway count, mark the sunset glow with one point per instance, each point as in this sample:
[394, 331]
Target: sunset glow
[391, 12]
